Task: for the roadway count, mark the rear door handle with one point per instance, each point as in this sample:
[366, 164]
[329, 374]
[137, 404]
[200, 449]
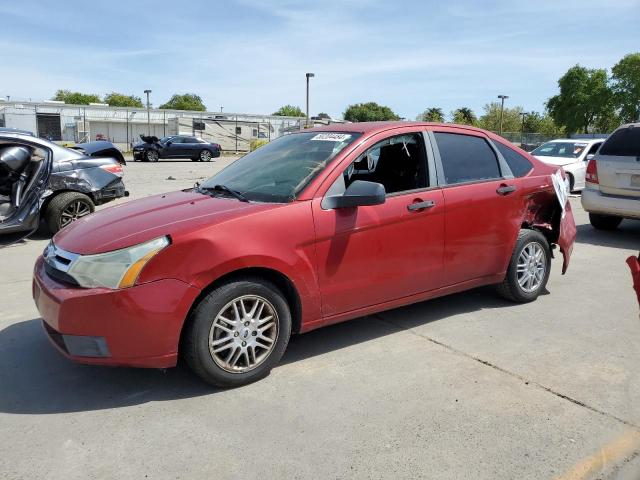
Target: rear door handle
[421, 205]
[505, 189]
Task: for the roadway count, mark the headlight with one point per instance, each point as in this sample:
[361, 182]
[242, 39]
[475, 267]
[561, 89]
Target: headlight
[117, 269]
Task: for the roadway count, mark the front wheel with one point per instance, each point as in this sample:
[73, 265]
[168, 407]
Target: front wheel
[604, 222]
[152, 156]
[66, 208]
[529, 268]
[237, 333]
[205, 156]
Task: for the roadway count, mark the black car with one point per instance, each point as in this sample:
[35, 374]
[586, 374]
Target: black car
[40, 179]
[175, 146]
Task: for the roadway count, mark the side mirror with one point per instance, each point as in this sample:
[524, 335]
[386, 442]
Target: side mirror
[591, 156]
[359, 194]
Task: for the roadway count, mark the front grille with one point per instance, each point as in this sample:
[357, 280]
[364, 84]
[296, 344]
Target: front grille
[59, 276]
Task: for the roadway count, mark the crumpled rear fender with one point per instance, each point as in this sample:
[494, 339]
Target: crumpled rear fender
[543, 213]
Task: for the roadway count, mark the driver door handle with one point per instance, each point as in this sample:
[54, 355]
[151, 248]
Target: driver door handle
[421, 205]
[505, 189]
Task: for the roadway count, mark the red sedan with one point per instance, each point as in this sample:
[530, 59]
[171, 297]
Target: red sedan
[314, 228]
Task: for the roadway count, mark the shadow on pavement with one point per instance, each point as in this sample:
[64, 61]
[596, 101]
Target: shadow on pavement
[626, 236]
[36, 379]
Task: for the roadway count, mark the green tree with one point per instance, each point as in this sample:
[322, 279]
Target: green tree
[76, 98]
[187, 101]
[535, 122]
[625, 76]
[369, 112]
[115, 99]
[584, 95]
[464, 116]
[432, 114]
[289, 111]
[324, 116]
[511, 119]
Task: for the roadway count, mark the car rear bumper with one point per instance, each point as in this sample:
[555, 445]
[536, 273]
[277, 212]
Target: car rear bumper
[594, 201]
[138, 326]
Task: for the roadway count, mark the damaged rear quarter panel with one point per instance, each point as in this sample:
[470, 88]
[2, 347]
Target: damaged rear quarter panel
[543, 212]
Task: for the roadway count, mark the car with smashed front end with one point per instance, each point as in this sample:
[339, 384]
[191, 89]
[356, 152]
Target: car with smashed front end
[41, 180]
[152, 148]
[314, 228]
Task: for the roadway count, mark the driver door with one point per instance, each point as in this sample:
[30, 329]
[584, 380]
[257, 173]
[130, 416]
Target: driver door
[370, 255]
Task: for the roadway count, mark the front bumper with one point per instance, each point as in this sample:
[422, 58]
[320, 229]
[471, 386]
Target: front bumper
[137, 327]
[594, 201]
[139, 154]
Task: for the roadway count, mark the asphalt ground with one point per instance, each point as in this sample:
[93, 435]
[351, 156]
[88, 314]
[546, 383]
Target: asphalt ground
[466, 386]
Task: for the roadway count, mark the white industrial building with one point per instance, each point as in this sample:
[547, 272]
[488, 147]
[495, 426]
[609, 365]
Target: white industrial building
[61, 122]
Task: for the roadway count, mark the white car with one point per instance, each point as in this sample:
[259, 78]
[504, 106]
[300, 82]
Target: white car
[570, 154]
[613, 180]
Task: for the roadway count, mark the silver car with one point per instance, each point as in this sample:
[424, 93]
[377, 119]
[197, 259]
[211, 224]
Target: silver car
[612, 189]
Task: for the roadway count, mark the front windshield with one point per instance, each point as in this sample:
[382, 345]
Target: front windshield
[279, 170]
[560, 149]
[165, 139]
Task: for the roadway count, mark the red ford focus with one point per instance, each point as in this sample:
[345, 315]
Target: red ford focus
[314, 228]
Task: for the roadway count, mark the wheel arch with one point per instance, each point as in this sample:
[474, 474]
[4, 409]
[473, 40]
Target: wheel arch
[55, 193]
[280, 280]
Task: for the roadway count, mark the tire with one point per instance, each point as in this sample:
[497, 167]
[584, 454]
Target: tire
[512, 288]
[66, 208]
[151, 155]
[604, 222]
[206, 331]
[571, 182]
[205, 156]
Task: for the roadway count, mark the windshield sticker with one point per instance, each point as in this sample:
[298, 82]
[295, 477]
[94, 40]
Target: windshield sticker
[332, 137]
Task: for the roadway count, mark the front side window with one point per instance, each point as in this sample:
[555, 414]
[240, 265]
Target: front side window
[279, 170]
[560, 149]
[398, 163]
[466, 158]
[518, 164]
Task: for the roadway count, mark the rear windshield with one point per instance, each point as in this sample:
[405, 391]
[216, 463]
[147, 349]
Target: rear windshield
[624, 142]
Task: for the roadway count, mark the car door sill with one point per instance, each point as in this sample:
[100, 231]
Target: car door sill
[400, 302]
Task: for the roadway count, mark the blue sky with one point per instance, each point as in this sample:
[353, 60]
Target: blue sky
[251, 56]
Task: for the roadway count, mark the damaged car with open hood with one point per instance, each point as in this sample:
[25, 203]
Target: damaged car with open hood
[314, 228]
[41, 180]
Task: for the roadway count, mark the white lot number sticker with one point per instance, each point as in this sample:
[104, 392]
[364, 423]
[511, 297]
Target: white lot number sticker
[331, 137]
[561, 188]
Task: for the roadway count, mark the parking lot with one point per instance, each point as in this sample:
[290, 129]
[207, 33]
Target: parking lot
[465, 386]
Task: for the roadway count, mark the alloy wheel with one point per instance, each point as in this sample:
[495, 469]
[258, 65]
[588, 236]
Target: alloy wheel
[531, 268]
[73, 212]
[243, 333]
[152, 155]
[205, 156]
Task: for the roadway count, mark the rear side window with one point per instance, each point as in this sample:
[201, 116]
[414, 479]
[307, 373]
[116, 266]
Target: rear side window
[466, 158]
[624, 142]
[518, 164]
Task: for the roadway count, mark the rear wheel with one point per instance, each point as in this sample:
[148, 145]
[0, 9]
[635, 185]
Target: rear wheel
[152, 156]
[237, 333]
[66, 208]
[529, 268]
[604, 222]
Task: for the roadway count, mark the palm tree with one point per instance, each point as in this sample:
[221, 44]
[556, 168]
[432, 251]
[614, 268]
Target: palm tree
[432, 114]
[464, 116]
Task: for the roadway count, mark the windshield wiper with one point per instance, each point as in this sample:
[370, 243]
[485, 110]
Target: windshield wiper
[225, 189]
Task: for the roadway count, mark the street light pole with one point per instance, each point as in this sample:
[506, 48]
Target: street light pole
[308, 75]
[502, 99]
[148, 113]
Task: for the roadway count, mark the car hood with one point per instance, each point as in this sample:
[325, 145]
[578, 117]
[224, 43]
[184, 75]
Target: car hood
[556, 160]
[141, 220]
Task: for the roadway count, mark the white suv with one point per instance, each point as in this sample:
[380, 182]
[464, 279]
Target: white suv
[612, 189]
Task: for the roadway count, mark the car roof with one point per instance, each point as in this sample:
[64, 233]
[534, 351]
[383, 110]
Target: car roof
[375, 127]
[577, 140]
